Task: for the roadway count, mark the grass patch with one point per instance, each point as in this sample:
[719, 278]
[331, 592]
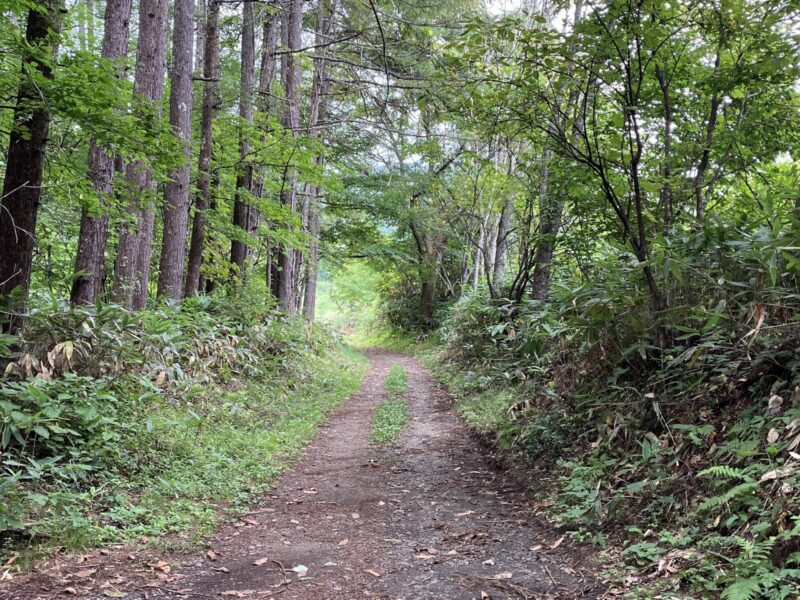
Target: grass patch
[388, 421]
[391, 415]
[396, 380]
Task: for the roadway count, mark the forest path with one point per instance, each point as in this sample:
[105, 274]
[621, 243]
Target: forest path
[430, 518]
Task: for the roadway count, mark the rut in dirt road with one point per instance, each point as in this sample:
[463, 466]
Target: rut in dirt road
[428, 519]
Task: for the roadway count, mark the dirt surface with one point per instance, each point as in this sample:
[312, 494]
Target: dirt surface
[427, 519]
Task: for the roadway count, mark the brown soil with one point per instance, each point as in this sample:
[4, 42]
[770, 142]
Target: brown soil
[430, 518]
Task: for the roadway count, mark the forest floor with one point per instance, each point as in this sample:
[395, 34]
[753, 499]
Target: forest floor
[431, 517]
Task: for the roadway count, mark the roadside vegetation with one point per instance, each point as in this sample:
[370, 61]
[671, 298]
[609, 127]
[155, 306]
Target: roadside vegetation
[391, 415]
[116, 425]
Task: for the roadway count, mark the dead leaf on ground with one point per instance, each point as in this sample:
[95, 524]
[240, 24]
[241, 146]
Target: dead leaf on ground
[504, 575]
[557, 543]
[536, 548]
[70, 590]
[465, 513]
[301, 570]
[261, 561]
[85, 573]
[162, 566]
[372, 572]
[489, 562]
[344, 542]
[355, 515]
[212, 555]
[113, 594]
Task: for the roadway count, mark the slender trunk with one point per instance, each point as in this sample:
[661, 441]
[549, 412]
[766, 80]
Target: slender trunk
[244, 180]
[22, 189]
[666, 170]
[551, 207]
[291, 34]
[503, 230]
[90, 258]
[201, 31]
[210, 87]
[427, 304]
[132, 265]
[176, 212]
[701, 198]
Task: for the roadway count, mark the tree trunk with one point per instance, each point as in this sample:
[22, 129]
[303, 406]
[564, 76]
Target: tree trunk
[90, 259]
[132, 265]
[291, 34]
[201, 31]
[210, 87]
[22, 190]
[319, 106]
[503, 230]
[176, 211]
[244, 179]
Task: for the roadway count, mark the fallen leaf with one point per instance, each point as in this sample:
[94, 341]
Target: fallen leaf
[775, 474]
[161, 566]
[504, 575]
[113, 594]
[329, 564]
[355, 515]
[557, 543]
[261, 561]
[250, 521]
[344, 542]
[212, 555]
[465, 513]
[484, 595]
[301, 570]
[372, 572]
[489, 562]
[452, 553]
[294, 521]
[220, 569]
[70, 590]
[536, 548]
[234, 593]
[85, 573]
[311, 491]
[773, 436]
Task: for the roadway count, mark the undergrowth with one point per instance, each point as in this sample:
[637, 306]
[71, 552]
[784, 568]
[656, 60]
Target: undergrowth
[673, 444]
[116, 424]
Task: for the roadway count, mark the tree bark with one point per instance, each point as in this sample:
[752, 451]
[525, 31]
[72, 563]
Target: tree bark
[87, 283]
[210, 87]
[132, 265]
[244, 179]
[22, 185]
[176, 212]
[291, 34]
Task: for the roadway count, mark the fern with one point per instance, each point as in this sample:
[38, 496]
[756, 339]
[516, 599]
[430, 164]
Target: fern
[742, 589]
[736, 491]
[725, 471]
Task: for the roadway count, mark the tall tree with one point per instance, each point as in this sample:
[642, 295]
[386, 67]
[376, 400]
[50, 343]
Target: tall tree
[291, 35]
[176, 211]
[22, 185]
[242, 215]
[326, 18]
[210, 87]
[132, 266]
[90, 259]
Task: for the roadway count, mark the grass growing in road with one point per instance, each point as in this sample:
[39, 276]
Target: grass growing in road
[391, 415]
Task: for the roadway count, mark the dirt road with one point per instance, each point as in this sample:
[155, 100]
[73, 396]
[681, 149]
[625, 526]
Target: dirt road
[427, 519]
